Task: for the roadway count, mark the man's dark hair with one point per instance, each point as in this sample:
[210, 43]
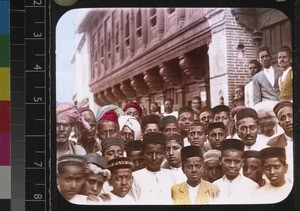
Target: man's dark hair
[263, 48]
[198, 124]
[256, 63]
[286, 49]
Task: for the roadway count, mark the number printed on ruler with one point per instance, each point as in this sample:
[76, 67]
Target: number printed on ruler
[35, 130]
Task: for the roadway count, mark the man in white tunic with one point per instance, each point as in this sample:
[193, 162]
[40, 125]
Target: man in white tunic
[152, 185]
[275, 168]
[234, 187]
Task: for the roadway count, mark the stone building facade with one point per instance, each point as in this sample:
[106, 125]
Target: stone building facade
[150, 54]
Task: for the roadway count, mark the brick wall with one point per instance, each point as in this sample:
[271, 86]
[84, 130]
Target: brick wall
[230, 50]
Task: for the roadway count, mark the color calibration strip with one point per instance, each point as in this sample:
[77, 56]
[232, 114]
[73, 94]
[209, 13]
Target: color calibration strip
[5, 164]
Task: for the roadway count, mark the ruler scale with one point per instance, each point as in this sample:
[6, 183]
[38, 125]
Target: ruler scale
[36, 165]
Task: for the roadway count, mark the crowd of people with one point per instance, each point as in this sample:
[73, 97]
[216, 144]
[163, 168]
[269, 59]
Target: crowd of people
[241, 154]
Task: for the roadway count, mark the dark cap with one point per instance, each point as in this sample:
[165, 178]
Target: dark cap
[119, 163]
[190, 151]
[71, 159]
[232, 144]
[246, 112]
[273, 152]
[168, 119]
[282, 104]
[154, 138]
[136, 145]
[111, 141]
[151, 119]
[219, 108]
[214, 125]
[252, 154]
[184, 109]
[96, 159]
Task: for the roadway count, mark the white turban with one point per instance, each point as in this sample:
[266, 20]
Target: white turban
[132, 123]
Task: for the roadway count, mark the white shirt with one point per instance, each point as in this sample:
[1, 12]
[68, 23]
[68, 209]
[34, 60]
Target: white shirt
[236, 191]
[153, 187]
[193, 192]
[186, 142]
[178, 175]
[289, 152]
[270, 75]
[83, 199]
[271, 194]
[249, 94]
[258, 145]
[174, 113]
[116, 200]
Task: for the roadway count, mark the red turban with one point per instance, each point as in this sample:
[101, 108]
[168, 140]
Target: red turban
[134, 105]
[110, 116]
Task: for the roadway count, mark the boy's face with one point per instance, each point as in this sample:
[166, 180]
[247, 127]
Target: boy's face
[185, 120]
[253, 169]
[215, 137]
[196, 136]
[232, 162]
[275, 170]
[193, 168]
[137, 159]
[70, 180]
[173, 155]
[154, 154]
[213, 170]
[113, 152]
[93, 184]
[121, 181]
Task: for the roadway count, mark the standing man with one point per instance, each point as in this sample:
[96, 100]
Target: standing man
[206, 115]
[152, 185]
[265, 83]
[253, 68]
[195, 190]
[151, 123]
[121, 181]
[87, 137]
[169, 103]
[185, 119]
[196, 135]
[284, 113]
[247, 129]
[108, 125]
[133, 109]
[285, 81]
[67, 116]
[169, 126]
[231, 183]
[222, 114]
[216, 133]
[130, 128]
[275, 168]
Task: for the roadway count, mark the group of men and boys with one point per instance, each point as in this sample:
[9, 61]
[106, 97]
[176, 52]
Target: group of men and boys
[198, 155]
